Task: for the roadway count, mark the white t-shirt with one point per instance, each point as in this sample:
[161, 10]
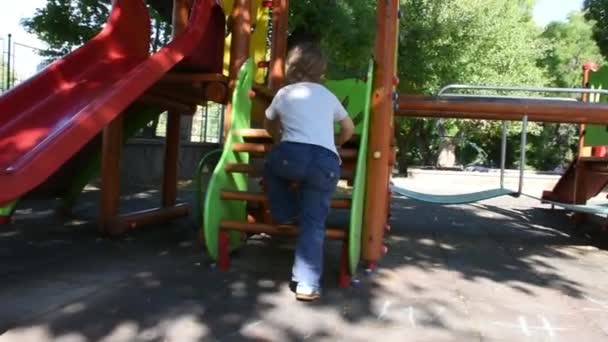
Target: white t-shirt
[308, 112]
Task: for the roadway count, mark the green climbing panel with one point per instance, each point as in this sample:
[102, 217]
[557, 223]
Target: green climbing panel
[205, 167]
[356, 97]
[597, 135]
[215, 209]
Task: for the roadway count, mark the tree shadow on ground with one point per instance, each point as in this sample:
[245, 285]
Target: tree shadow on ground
[157, 284]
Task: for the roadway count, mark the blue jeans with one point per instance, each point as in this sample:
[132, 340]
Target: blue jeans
[317, 171]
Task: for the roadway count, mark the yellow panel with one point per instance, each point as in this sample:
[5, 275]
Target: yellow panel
[227, 4]
[258, 40]
[258, 51]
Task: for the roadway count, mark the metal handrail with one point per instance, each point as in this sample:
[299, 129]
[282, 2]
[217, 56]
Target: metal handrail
[522, 157]
[526, 89]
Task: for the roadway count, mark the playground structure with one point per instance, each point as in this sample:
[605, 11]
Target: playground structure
[90, 101]
[586, 176]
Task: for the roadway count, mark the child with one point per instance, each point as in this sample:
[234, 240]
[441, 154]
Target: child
[302, 117]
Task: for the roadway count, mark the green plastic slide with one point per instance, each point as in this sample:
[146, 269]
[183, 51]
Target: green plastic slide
[216, 210]
[356, 96]
[205, 167]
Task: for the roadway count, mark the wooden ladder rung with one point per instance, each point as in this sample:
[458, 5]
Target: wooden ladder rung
[260, 133]
[251, 148]
[253, 133]
[264, 91]
[251, 170]
[243, 168]
[258, 228]
[336, 203]
[258, 149]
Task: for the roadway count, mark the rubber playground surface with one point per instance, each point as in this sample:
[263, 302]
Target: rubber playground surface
[502, 270]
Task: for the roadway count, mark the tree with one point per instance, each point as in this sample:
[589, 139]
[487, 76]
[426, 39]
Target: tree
[597, 10]
[569, 45]
[67, 24]
[480, 42]
[345, 29]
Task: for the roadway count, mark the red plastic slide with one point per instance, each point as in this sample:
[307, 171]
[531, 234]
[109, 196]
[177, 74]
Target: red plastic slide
[593, 183]
[50, 117]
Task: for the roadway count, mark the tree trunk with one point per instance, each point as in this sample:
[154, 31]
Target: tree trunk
[447, 150]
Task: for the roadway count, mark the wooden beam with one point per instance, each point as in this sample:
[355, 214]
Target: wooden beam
[346, 173]
[336, 203]
[257, 228]
[502, 109]
[239, 50]
[123, 223]
[261, 149]
[280, 19]
[181, 14]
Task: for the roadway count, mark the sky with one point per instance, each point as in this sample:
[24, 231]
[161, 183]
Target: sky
[547, 11]
[11, 13]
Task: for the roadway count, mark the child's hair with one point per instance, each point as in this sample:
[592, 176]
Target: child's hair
[305, 63]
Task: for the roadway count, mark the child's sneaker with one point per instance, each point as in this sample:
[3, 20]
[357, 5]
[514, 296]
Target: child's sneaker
[307, 293]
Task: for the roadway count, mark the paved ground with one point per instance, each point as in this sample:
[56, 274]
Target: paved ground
[506, 269]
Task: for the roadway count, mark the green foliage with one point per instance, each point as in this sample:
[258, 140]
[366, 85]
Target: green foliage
[346, 30]
[66, 24]
[570, 45]
[468, 41]
[597, 10]
[480, 42]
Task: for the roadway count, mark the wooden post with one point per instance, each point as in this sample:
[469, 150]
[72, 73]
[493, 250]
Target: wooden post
[381, 131]
[280, 17]
[580, 169]
[171, 167]
[582, 151]
[181, 13]
[110, 172]
[239, 50]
